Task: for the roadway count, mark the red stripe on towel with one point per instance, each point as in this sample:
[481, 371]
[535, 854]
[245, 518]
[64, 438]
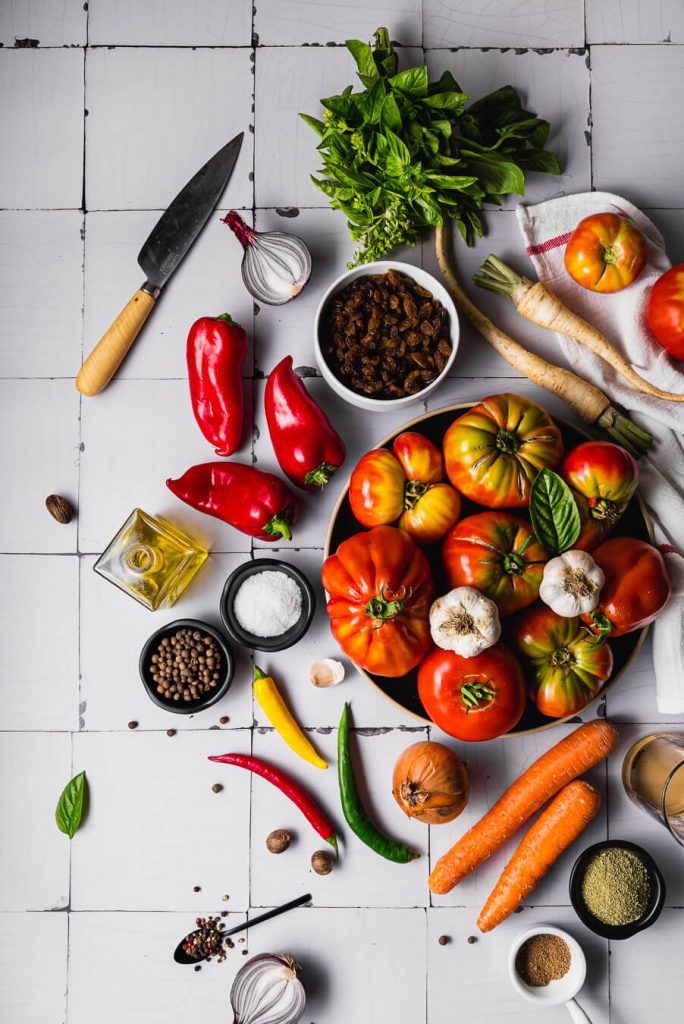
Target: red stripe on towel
[552, 243]
[667, 549]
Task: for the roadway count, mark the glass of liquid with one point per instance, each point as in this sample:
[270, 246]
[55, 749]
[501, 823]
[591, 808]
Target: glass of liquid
[653, 776]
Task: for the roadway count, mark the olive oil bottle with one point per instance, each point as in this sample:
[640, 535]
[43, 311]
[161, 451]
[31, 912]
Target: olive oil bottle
[151, 560]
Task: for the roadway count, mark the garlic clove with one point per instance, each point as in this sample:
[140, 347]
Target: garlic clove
[326, 672]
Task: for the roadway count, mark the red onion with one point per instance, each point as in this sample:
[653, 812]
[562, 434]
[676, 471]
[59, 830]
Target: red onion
[275, 266]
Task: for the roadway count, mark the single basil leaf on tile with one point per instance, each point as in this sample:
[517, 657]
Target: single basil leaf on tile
[554, 513]
[69, 809]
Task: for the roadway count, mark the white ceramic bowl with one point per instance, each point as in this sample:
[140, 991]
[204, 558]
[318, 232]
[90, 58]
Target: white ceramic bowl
[424, 280]
[563, 990]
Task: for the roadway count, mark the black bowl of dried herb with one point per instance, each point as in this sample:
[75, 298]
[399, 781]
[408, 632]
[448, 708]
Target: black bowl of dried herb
[616, 889]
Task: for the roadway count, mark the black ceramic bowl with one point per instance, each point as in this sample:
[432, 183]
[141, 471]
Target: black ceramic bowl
[266, 643]
[182, 707]
[622, 931]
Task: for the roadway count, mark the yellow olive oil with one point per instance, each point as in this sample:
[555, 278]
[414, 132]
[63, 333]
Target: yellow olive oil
[151, 560]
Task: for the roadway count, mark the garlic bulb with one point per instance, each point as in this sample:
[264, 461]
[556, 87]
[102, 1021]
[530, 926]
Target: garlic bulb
[326, 672]
[571, 584]
[464, 621]
[275, 265]
[267, 990]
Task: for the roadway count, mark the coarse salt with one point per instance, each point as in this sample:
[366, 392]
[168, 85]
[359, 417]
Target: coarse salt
[268, 603]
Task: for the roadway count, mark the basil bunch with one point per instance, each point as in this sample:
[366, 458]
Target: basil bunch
[406, 152]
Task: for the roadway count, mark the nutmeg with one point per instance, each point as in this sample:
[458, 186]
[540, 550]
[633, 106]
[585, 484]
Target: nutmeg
[59, 508]
[322, 862]
[277, 841]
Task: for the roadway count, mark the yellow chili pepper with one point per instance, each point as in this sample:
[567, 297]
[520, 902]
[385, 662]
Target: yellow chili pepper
[281, 718]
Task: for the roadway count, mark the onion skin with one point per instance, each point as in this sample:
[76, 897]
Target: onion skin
[430, 783]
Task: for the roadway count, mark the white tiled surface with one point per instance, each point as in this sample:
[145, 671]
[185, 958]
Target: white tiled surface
[165, 84]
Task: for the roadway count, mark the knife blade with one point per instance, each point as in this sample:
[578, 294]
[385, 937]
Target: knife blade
[179, 225]
[168, 243]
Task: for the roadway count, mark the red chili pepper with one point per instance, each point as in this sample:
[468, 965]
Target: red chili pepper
[306, 444]
[287, 785]
[257, 503]
[215, 352]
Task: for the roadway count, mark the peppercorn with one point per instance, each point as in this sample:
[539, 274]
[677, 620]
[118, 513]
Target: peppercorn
[132, 725]
[443, 939]
[322, 862]
[170, 732]
[196, 888]
[224, 719]
[224, 898]
[217, 787]
[179, 666]
[277, 841]
[471, 939]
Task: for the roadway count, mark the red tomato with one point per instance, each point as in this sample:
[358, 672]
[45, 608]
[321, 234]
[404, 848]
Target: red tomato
[636, 589]
[603, 478]
[476, 698]
[605, 253]
[499, 555]
[665, 311]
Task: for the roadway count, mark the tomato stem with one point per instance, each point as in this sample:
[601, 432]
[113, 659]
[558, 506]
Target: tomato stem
[603, 627]
[386, 608]
[507, 442]
[413, 492]
[476, 695]
[605, 510]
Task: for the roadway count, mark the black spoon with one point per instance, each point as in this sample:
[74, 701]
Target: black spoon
[181, 957]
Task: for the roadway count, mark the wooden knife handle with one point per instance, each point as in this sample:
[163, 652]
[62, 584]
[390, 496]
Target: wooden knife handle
[108, 354]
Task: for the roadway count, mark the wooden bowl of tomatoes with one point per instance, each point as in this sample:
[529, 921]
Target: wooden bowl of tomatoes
[551, 667]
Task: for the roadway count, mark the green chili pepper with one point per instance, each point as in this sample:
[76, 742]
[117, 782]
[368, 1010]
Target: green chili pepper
[354, 811]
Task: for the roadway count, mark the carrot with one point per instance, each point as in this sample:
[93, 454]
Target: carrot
[542, 307]
[588, 401]
[556, 828]
[575, 754]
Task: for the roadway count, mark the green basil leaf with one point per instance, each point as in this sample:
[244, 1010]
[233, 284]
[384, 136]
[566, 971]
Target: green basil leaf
[318, 126]
[446, 101]
[456, 181]
[412, 82]
[445, 83]
[363, 55]
[398, 148]
[554, 513]
[390, 116]
[372, 102]
[70, 805]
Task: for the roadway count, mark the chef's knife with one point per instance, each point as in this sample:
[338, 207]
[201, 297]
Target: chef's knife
[170, 240]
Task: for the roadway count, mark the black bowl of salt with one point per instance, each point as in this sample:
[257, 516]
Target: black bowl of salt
[267, 605]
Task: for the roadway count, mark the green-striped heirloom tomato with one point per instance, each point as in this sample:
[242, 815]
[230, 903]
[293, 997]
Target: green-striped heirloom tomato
[564, 667]
[499, 555]
[603, 478]
[494, 451]
[476, 698]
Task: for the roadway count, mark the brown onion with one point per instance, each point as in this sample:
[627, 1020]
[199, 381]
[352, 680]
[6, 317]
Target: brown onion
[430, 783]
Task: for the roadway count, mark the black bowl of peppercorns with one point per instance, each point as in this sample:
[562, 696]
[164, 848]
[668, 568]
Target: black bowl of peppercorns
[186, 666]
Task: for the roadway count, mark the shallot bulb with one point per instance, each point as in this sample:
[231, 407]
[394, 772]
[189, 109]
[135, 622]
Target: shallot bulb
[430, 783]
[267, 990]
[275, 266]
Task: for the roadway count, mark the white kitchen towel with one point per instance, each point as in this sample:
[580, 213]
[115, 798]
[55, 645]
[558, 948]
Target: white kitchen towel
[621, 316]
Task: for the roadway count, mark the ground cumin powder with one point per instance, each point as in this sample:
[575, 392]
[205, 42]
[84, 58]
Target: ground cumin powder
[542, 959]
[616, 887]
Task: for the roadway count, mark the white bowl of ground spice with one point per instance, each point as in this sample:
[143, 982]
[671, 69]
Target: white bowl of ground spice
[547, 966]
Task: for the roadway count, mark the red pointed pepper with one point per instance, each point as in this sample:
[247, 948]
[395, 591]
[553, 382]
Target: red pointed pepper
[306, 444]
[257, 503]
[215, 353]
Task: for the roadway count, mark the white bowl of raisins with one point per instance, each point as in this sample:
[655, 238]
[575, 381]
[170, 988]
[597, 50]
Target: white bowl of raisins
[385, 334]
